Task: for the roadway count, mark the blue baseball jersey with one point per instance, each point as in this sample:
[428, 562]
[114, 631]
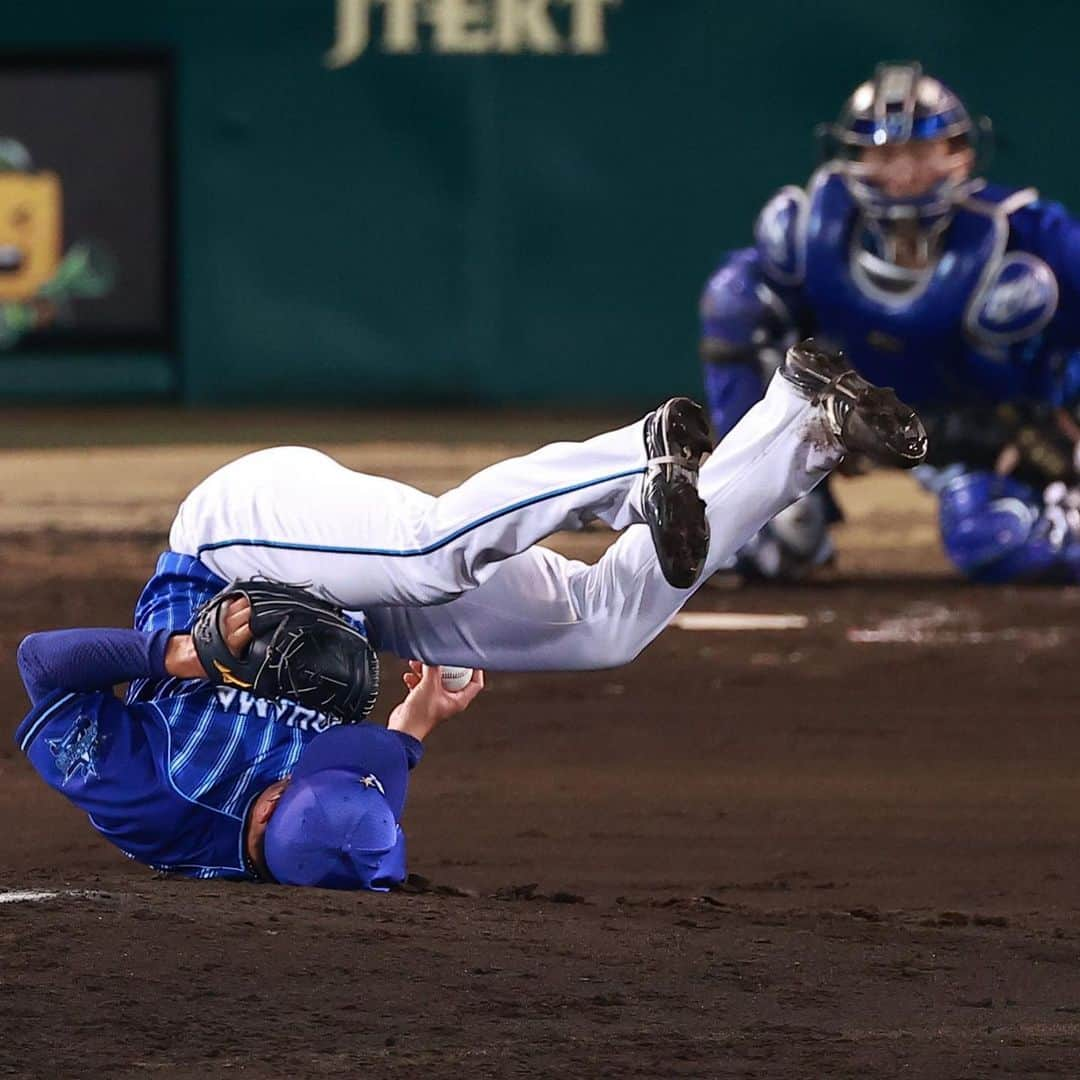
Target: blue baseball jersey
[170, 773]
[995, 317]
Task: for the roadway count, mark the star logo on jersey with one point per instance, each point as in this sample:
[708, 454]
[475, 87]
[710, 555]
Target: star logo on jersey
[372, 781]
[76, 751]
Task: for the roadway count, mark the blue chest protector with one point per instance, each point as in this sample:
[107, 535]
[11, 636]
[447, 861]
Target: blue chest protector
[966, 328]
[995, 317]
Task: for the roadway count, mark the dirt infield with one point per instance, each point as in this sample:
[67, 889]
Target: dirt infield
[844, 851]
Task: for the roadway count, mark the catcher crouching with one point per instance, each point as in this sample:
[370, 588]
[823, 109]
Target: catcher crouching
[254, 763]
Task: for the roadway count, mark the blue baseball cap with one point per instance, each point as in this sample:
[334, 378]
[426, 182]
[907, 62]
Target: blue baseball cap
[336, 824]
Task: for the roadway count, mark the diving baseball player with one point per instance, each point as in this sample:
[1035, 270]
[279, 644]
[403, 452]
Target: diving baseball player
[208, 780]
[219, 764]
[962, 294]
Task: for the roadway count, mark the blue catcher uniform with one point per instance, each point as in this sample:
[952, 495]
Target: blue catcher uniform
[170, 774]
[993, 318]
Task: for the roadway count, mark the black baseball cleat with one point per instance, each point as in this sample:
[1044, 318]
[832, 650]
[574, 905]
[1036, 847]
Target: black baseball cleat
[865, 418]
[677, 439]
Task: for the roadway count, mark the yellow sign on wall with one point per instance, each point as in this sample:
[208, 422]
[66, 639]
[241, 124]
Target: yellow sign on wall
[30, 225]
[576, 27]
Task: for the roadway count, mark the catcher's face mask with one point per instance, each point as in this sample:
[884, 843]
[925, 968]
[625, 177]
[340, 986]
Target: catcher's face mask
[907, 148]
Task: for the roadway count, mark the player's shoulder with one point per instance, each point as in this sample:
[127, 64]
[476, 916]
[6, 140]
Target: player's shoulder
[55, 708]
[780, 235]
[1025, 219]
[781, 229]
[1042, 227]
[1018, 292]
[999, 200]
[70, 735]
[731, 283]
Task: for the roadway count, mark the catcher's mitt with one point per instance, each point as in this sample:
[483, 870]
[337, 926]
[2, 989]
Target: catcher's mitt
[303, 649]
[1031, 443]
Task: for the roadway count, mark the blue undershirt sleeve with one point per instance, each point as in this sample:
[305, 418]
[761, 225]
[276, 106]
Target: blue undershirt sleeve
[414, 748]
[89, 659]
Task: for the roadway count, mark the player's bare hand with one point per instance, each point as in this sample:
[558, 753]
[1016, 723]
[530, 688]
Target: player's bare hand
[236, 625]
[181, 660]
[428, 703]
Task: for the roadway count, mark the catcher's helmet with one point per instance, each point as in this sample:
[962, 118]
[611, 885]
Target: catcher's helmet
[901, 104]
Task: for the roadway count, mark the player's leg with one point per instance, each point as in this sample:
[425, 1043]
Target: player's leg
[543, 612]
[294, 514]
[793, 544]
[996, 529]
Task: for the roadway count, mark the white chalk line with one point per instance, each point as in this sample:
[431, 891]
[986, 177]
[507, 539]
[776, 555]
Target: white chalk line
[39, 896]
[922, 624]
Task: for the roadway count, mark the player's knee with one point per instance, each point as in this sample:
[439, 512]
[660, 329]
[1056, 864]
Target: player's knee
[987, 525]
[624, 652]
[613, 646]
[597, 648]
[792, 545]
[606, 659]
[732, 308]
[613, 624]
[731, 390]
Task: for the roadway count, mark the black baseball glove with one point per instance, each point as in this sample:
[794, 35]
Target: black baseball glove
[303, 649]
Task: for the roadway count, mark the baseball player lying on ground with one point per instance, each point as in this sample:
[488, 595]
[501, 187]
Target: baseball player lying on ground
[220, 764]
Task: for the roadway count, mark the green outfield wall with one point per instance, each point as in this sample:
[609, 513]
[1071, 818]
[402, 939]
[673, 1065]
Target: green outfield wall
[502, 200]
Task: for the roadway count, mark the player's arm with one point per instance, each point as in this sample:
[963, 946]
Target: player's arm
[1058, 371]
[1048, 232]
[973, 435]
[389, 753]
[428, 703]
[749, 317]
[1027, 438]
[84, 660]
[744, 312]
[732, 316]
[98, 658]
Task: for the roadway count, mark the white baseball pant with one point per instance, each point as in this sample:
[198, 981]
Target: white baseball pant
[454, 579]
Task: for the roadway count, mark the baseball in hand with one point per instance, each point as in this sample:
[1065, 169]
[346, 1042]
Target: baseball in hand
[455, 678]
